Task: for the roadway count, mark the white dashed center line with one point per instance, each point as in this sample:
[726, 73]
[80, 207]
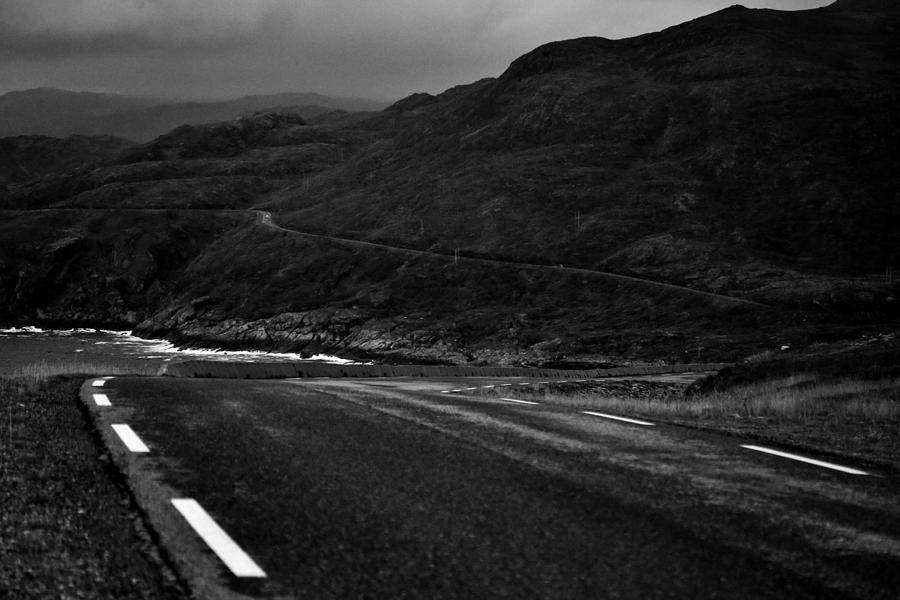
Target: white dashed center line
[445, 391]
[215, 537]
[454, 391]
[98, 383]
[130, 438]
[488, 387]
[517, 401]
[505, 384]
[606, 416]
[470, 389]
[101, 400]
[811, 461]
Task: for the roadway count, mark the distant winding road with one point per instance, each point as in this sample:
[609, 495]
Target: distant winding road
[264, 218]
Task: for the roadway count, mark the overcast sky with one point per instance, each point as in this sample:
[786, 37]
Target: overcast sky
[383, 49]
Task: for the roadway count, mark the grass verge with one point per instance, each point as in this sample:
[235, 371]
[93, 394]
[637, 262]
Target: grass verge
[34, 374]
[855, 417]
[68, 528]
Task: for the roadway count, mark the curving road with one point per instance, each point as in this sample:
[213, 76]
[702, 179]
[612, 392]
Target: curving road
[457, 488]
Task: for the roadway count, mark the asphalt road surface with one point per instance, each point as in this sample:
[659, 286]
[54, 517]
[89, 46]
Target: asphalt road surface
[426, 488]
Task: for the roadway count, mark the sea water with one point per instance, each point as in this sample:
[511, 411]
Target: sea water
[24, 346]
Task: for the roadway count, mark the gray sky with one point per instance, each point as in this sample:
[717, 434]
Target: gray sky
[383, 49]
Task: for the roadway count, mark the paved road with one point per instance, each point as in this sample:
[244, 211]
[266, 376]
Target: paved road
[426, 488]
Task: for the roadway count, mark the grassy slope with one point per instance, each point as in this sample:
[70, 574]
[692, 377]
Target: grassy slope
[379, 297]
[68, 527]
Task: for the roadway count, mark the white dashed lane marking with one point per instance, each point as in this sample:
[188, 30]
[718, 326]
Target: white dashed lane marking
[101, 400]
[606, 416]
[517, 401]
[470, 389]
[238, 561]
[811, 461]
[505, 384]
[130, 438]
[98, 383]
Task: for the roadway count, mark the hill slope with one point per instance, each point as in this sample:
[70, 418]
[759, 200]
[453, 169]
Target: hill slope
[759, 131]
[750, 153]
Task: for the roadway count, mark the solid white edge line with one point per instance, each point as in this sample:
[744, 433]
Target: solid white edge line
[517, 401]
[606, 416]
[812, 461]
[101, 400]
[129, 438]
[215, 537]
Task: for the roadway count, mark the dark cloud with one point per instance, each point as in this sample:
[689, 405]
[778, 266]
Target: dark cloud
[385, 48]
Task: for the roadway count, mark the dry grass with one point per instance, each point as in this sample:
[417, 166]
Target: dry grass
[856, 417]
[32, 374]
[805, 396]
[798, 397]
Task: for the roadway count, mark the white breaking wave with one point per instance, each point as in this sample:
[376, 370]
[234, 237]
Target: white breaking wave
[164, 348]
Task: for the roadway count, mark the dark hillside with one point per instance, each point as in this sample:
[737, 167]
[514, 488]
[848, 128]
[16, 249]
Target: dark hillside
[217, 165]
[25, 158]
[110, 268]
[752, 155]
[773, 134]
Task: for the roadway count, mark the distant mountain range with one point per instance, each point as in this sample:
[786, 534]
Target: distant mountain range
[60, 113]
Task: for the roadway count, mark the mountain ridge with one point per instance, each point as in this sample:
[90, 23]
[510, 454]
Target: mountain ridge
[59, 113]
